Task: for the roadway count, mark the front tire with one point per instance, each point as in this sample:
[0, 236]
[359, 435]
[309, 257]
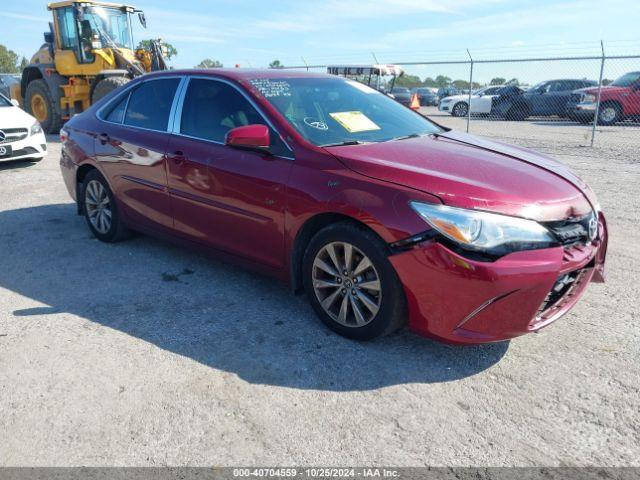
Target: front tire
[609, 114]
[101, 210]
[351, 284]
[39, 102]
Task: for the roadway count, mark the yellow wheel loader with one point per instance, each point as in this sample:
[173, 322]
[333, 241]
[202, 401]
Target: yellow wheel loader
[87, 53]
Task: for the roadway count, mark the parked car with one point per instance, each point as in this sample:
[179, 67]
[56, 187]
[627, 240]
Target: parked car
[503, 100]
[401, 95]
[426, 97]
[458, 105]
[447, 92]
[21, 136]
[6, 80]
[545, 99]
[382, 216]
[618, 101]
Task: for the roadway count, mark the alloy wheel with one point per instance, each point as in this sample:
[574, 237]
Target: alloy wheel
[346, 284]
[608, 114]
[98, 206]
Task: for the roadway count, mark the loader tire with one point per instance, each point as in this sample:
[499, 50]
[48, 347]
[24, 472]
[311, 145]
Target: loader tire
[39, 102]
[106, 86]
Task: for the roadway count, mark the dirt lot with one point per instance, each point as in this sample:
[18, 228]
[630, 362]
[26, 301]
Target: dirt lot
[142, 353]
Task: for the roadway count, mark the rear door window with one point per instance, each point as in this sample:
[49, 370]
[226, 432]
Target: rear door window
[116, 114]
[150, 104]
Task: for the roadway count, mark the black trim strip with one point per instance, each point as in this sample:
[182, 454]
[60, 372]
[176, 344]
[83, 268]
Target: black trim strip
[218, 205]
[146, 183]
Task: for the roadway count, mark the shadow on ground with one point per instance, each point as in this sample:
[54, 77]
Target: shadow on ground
[216, 314]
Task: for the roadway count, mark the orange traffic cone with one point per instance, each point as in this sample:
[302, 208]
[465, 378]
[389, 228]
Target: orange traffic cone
[415, 103]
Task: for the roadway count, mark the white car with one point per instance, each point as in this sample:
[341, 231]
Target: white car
[21, 135]
[458, 105]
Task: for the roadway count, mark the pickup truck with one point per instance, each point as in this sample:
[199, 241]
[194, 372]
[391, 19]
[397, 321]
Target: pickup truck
[618, 101]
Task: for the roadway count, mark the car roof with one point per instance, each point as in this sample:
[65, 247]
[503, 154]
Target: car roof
[239, 74]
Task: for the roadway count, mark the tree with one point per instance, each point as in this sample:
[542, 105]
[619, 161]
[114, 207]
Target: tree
[461, 84]
[276, 64]
[168, 50]
[430, 82]
[442, 81]
[23, 64]
[514, 81]
[606, 81]
[208, 63]
[8, 60]
[408, 81]
[497, 81]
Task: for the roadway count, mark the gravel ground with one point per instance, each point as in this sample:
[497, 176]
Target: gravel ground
[143, 353]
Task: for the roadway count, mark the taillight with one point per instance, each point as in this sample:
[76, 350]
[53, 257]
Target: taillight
[64, 136]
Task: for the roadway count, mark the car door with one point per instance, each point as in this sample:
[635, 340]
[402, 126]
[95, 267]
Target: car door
[483, 102]
[555, 98]
[632, 100]
[230, 199]
[130, 148]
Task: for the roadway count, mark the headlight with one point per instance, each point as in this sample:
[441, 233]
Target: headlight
[589, 98]
[36, 128]
[482, 230]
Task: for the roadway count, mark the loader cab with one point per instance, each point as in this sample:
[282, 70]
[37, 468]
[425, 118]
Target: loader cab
[87, 31]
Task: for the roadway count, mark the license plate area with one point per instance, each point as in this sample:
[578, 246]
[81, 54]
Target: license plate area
[5, 151]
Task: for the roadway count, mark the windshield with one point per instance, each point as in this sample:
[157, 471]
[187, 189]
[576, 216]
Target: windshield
[331, 111]
[111, 24]
[626, 80]
[399, 90]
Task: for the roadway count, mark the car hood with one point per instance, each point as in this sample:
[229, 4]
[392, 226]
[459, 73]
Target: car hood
[470, 172]
[606, 89]
[14, 117]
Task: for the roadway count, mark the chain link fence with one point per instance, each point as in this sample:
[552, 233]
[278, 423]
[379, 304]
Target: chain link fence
[542, 102]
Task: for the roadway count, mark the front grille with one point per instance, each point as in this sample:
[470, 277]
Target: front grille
[566, 286]
[575, 98]
[575, 230]
[13, 134]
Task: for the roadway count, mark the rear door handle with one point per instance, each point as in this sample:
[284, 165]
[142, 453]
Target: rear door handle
[177, 157]
[104, 138]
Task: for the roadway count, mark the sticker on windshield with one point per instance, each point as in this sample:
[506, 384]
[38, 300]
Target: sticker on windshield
[354, 122]
[271, 88]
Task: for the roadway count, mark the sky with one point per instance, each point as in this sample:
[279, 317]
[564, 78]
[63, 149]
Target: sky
[251, 33]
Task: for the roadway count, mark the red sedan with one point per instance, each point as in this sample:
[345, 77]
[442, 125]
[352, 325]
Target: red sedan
[382, 216]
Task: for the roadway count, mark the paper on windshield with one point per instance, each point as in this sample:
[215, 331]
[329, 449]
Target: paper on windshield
[354, 122]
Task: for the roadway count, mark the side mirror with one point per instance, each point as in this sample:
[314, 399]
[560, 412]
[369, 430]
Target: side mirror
[143, 19]
[249, 137]
[48, 37]
[15, 102]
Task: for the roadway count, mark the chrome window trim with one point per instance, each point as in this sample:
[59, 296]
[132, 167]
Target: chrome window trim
[180, 104]
[129, 90]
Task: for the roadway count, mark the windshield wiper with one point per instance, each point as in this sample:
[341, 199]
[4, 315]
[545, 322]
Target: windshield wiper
[342, 144]
[404, 137]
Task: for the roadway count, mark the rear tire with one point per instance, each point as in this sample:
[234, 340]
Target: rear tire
[39, 102]
[368, 290]
[107, 85]
[101, 210]
[460, 109]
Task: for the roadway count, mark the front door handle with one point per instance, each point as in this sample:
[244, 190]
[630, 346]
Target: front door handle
[177, 157]
[104, 138]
